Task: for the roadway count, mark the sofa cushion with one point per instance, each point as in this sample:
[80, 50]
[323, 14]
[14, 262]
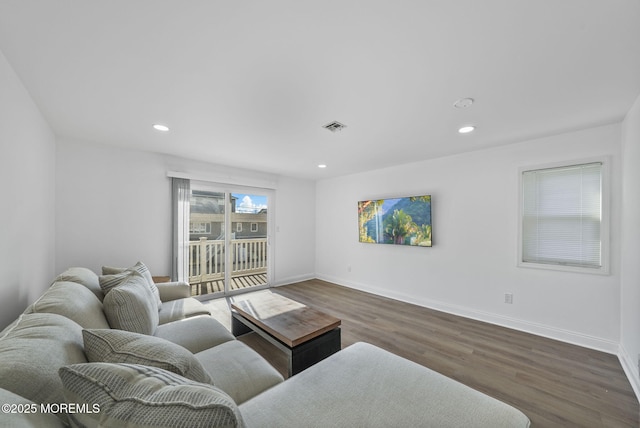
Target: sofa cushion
[74, 301]
[25, 413]
[140, 396]
[390, 391]
[173, 290]
[83, 276]
[10, 327]
[131, 306]
[181, 308]
[139, 267]
[195, 333]
[32, 351]
[118, 346]
[238, 370]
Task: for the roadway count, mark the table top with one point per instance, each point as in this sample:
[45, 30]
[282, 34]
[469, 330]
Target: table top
[289, 321]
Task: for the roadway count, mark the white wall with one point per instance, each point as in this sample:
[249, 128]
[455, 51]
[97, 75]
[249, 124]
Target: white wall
[295, 237]
[113, 207]
[473, 260]
[27, 164]
[630, 273]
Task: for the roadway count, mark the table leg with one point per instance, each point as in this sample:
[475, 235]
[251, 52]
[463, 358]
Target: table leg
[238, 328]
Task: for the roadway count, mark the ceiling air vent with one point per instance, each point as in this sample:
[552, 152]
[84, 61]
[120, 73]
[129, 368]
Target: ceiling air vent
[335, 126]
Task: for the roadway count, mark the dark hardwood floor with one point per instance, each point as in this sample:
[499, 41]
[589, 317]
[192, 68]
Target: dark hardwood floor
[555, 384]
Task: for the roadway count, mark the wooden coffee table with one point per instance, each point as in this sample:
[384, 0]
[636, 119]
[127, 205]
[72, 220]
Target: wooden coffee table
[304, 334]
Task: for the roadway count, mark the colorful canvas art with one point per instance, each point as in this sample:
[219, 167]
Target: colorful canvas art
[399, 221]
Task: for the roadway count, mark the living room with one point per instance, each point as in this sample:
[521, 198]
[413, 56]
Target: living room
[80, 201]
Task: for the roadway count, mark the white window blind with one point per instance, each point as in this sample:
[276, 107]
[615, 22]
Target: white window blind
[562, 216]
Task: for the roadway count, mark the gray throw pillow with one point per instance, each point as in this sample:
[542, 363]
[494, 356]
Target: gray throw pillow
[132, 307]
[113, 276]
[111, 281]
[118, 346]
[140, 396]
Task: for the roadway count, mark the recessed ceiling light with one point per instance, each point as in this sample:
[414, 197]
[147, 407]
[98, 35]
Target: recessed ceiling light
[466, 129]
[463, 103]
[162, 128]
[322, 165]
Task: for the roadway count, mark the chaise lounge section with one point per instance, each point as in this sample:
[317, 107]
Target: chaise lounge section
[169, 362]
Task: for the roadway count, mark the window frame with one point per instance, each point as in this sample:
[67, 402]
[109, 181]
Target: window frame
[205, 228]
[604, 269]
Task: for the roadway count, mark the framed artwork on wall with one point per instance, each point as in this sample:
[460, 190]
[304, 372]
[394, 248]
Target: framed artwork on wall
[396, 221]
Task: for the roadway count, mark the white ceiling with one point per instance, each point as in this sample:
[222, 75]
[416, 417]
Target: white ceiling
[250, 83]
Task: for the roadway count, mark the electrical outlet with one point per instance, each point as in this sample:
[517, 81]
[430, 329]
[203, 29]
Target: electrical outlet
[508, 298]
[349, 268]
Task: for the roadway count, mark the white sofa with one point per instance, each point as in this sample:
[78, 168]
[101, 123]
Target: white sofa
[62, 362]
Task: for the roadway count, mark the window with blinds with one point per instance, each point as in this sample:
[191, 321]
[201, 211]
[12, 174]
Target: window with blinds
[562, 216]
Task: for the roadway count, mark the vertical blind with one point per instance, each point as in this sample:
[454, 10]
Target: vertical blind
[562, 216]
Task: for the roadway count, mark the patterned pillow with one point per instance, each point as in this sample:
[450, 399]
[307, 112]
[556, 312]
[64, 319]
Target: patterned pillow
[117, 346]
[139, 396]
[111, 281]
[131, 306]
[112, 277]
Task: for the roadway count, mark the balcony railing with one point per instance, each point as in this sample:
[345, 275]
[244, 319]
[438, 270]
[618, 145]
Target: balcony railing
[207, 259]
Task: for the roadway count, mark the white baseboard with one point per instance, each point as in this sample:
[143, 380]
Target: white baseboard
[293, 279]
[629, 365]
[562, 335]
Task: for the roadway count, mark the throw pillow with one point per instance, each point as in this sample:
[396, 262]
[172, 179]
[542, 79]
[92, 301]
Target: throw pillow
[111, 281]
[139, 396]
[131, 306]
[112, 274]
[118, 346]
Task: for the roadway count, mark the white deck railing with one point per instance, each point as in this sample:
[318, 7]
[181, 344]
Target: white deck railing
[207, 260]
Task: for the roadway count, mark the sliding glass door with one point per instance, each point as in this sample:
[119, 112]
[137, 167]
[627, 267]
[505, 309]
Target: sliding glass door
[229, 233]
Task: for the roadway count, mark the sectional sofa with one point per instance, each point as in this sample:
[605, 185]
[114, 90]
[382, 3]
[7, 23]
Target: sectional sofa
[119, 350]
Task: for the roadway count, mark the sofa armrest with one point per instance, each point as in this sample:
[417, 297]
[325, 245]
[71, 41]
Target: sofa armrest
[173, 290]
